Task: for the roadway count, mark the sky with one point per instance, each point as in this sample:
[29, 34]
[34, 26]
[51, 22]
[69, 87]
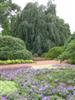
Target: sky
[65, 9]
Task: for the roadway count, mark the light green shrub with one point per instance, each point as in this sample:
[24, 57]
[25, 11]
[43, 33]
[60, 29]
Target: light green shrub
[53, 52]
[69, 53]
[18, 61]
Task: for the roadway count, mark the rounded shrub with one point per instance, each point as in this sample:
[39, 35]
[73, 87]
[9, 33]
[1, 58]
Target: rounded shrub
[54, 52]
[22, 54]
[69, 53]
[13, 48]
[11, 43]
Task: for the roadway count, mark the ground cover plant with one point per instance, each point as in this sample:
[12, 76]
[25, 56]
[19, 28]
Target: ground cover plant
[37, 84]
[7, 87]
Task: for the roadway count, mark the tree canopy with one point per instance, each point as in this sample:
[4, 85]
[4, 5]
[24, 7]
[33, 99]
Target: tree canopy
[37, 25]
[8, 10]
[40, 28]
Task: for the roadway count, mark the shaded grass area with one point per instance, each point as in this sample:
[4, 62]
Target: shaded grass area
[38, 84]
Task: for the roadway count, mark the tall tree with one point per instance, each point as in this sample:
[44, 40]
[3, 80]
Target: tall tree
[51, 8]
[40, 28]
[7, 11]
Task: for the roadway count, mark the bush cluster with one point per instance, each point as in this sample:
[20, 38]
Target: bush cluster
[53, 52]
[69, 53]
[66, 52]
[13, 48]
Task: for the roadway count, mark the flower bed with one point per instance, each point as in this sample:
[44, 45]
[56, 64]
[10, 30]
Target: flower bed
[41, 84]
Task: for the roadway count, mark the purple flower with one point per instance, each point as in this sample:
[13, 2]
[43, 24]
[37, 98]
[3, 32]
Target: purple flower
[53, 91]
[42, 95]
[57, 65]
[74, 93]
[4, 98]
[46, 98]
[45, 87]
[69, 88]
[60, 87]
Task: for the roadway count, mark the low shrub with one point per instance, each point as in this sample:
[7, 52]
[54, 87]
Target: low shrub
[69, 53]
[18, 61]
[13, 48]
[53, 52]
[71, 61]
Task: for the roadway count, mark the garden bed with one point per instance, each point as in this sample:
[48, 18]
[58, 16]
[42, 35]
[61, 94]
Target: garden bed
[40, 84]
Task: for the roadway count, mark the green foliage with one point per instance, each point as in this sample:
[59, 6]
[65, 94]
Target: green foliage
[56, 84]
[40, 28]
[69, 52]
[18, 61]
[7, 87]
[72, 37]
[13, 48]
[22, 54]
[11, 42]
[6, 15]
[71, 61]
[55, 97]
[53, 52]
[51, 8]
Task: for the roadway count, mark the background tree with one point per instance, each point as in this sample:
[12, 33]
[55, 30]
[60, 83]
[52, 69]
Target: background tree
[40, 28]
[8, 10]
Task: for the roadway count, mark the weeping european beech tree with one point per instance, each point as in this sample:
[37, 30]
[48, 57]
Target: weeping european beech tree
[40, 28]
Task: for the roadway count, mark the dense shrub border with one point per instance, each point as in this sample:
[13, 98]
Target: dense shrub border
[4, 62]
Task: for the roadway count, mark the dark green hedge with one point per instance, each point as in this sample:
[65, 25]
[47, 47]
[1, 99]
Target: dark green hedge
[22, 54]
[13, 48]
[11, 43]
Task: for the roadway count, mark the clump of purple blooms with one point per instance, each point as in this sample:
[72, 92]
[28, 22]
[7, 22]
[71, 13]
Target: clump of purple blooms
[40, 84]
